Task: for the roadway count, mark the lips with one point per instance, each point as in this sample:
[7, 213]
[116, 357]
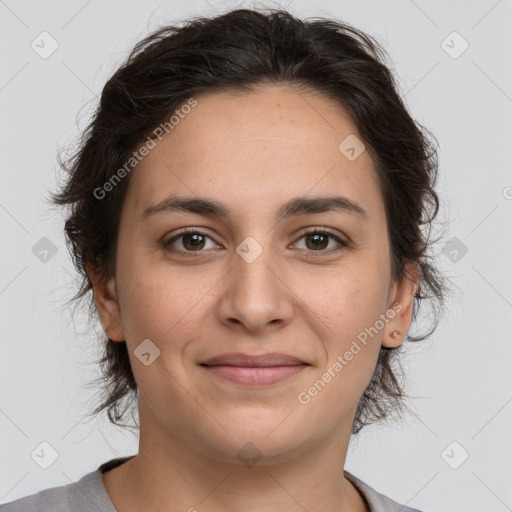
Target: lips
[254, 370]
[252, 361]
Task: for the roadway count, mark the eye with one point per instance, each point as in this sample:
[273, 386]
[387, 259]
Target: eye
[191, 241]
[317, 240]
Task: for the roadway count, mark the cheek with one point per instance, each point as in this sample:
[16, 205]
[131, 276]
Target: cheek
[346, 301]
[162, 304]
[351, 347]
[150, 305]
[349, 309]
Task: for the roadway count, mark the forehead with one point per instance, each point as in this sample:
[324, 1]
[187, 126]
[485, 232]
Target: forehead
[275, 142]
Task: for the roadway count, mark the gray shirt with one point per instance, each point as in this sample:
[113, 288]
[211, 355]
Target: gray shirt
[89, 495]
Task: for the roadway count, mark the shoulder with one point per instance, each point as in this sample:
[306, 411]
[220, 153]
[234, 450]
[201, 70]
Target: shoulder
[377, 502]
[86, 495]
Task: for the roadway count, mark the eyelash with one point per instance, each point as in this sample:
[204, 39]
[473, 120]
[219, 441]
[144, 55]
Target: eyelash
[193, 254]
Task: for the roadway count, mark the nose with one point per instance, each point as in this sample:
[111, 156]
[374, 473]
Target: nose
[257, 295]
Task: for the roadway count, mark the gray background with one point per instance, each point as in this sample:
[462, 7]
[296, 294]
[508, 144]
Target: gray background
[460, 378]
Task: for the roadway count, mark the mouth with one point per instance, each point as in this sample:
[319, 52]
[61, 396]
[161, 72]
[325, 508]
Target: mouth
[254, 370]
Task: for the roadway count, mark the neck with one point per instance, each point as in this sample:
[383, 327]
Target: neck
[170, 474]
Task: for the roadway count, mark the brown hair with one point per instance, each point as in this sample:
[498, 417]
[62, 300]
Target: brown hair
[239, 50]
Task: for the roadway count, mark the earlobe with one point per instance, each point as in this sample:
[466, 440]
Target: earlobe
[402, 302]
[107, 305]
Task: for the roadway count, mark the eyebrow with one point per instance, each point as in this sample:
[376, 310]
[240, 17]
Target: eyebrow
[295, 207]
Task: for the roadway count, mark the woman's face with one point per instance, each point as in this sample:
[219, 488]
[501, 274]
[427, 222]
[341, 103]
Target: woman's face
[252, 280]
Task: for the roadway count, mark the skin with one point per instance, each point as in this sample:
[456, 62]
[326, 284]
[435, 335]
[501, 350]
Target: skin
[252, 152]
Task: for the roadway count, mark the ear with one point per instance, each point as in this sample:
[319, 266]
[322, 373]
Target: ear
[107, 304]
[401, 300]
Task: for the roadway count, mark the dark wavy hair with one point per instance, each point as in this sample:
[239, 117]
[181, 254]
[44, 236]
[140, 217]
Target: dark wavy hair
[237, 51]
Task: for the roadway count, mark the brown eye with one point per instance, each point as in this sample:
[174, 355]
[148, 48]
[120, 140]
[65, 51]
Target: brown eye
[193, 241]
[189, 241]
[318, 239]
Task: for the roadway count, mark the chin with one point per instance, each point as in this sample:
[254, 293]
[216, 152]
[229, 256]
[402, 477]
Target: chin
[266, 442]
[250, 452]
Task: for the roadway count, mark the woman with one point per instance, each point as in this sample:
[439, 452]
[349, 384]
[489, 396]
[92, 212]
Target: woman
[246, 210]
